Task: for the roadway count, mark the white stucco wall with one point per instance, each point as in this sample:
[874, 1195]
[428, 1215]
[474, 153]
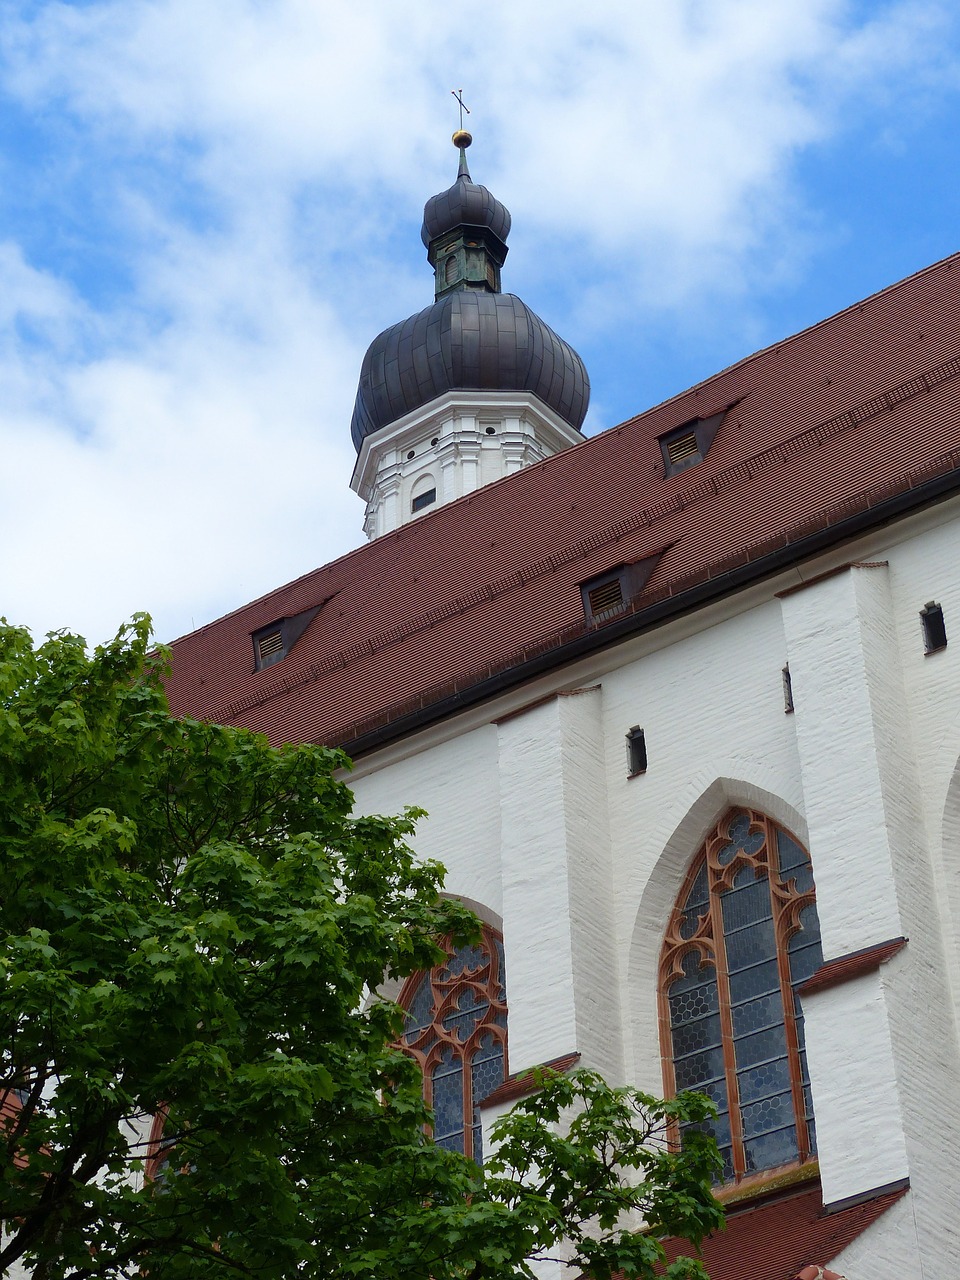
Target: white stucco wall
[860, 1129]
[536, 817]
[558, 885]
[887, 1250]
[458, 785]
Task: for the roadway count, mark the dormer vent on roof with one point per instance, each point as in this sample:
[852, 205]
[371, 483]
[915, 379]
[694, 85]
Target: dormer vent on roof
[276, 639]
[612, 593]
[687, 445]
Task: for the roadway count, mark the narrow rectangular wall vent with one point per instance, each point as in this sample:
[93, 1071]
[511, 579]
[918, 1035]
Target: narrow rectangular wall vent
[934, 628]
[787, 689]
[636, 751]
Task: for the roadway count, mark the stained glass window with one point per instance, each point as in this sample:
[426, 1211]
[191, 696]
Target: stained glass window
[743, 936]
[456, 1028]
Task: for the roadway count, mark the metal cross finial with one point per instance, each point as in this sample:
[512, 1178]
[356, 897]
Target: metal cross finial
[458, 94]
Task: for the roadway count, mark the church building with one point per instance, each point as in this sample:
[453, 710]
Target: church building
[678, 700]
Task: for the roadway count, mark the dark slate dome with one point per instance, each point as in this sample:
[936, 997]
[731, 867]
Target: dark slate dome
[465, 204]
[473, 337]
[468, 340]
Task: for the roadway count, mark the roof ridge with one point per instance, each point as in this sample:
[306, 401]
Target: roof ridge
[951, 258]
[696, 387]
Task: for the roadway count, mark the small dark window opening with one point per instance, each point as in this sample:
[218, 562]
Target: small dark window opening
[491, 431]
[934, 630]
[411, 454]
[423, 499]
[636, 752]
[787, 689]
[687, 445]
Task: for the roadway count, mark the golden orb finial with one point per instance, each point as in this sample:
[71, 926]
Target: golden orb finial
[462, 139]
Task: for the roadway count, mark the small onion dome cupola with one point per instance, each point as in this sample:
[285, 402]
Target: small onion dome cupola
[465, 231]
[473, 337]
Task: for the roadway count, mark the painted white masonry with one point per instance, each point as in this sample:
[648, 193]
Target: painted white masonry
[845, 807]
[887, 1250]
[536, 891]
[458, 785]
[557, 885]
[881, 881]
[533, 813]
[455, 444]
[860, 1129]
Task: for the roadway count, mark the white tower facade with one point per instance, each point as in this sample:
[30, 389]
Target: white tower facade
[449, 448]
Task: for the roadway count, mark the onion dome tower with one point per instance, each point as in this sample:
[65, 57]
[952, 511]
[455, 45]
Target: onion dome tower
[473, 387]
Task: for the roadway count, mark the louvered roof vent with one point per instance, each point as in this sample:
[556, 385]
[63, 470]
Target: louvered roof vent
[687, 445]
[682, 450]
[276, 639]
[613, 592]
[269, 648]
[606, 597]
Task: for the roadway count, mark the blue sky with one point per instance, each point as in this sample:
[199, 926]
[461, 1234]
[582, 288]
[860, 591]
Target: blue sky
[208, 208]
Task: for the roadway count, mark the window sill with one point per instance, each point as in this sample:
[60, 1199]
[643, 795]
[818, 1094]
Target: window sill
[758, 1185]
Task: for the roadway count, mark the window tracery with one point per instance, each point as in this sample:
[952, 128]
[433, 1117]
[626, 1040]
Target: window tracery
[456, 1029]
[743, 936]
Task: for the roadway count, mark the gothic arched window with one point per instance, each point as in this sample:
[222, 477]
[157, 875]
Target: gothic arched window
[456, 1029]
[743, 936]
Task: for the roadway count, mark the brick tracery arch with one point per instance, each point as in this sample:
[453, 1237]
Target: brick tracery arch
[742, 937]
[456, 1029]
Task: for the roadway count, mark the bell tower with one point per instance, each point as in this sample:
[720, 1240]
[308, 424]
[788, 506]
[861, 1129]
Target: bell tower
[468, 390]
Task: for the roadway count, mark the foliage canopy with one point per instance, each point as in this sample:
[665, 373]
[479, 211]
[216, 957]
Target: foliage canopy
[192, 922]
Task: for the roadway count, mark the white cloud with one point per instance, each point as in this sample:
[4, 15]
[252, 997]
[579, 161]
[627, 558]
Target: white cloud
[183, 476]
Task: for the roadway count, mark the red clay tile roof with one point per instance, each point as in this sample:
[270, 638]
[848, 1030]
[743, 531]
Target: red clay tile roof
[843, 968]
[775, 1239]
[825, 428]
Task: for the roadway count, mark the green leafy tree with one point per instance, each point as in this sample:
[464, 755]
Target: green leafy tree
[192, 922]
